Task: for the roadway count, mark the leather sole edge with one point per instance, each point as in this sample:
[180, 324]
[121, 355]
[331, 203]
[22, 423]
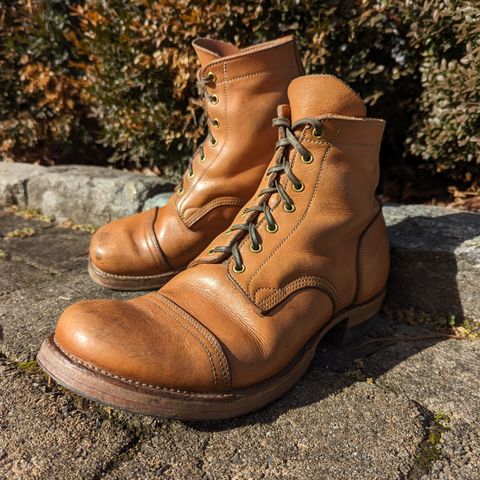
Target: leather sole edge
[126, 282]
[155, 401]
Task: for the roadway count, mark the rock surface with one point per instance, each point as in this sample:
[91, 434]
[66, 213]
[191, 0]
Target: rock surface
[13, 182]
[43, 433]
[371, 410]
[84, 194]
[435, 259]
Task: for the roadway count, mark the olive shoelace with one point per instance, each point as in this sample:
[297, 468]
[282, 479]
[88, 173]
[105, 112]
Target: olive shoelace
[202, 83]
[287, 141]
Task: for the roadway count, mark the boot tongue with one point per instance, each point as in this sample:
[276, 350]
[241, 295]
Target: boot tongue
[315, 95]
[209, 50]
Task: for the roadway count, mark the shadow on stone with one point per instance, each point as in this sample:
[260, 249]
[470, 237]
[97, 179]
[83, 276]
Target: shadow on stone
[424, 273]
[435, 263]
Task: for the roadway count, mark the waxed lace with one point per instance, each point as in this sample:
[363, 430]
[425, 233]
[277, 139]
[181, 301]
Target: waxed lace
[287, 141]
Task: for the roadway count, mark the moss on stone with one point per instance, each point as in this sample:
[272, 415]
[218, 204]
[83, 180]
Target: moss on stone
[79, 226]
[430, 450]
[30, 214]
[27, 366]
[20, 233]
[448, 323]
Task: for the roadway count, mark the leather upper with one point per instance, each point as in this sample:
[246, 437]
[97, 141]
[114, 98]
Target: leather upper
[242, 92]
[328, 255]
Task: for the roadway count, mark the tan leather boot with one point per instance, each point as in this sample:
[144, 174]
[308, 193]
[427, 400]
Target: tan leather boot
[242, 91]
[309, 256]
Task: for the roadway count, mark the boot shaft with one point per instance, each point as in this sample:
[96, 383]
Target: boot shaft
[311, 235]
[242, 90]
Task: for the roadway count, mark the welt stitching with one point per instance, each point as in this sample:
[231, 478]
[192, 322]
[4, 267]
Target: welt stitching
[205, 348]
[204, 331]
[101, 273]
[295, 228]
[83, 363]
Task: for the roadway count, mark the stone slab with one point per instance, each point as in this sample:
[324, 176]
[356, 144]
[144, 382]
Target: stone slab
[84, 194]
[40, 277]
[43, 434]
[91, 195]
[50, 248]
[444, 377]
[435, 254]
[157, 201]
[30, 313]
[460, 457]
[341, 435]
[362, 411]
[14, 178]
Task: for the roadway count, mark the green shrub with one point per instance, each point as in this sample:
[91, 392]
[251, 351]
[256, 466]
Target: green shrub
[41, 78]
[445, 130]
[121, 73]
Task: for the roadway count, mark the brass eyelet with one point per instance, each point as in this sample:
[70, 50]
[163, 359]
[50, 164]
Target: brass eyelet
[216, 122]
[301, 188]
[308, 158]
[317, 133]
[228, 232]
[211, 77]
[214, 99]
[203, 157]
[190, 174]
[211, 252]
[213, 142]
[273, 230]
[259, 249]
[240, 270]
[180, 190]
[289, 208]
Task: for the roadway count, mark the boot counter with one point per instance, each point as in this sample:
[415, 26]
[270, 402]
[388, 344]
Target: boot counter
[373, 261]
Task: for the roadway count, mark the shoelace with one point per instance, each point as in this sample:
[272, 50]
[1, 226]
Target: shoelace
[282, 167]
[201, 85]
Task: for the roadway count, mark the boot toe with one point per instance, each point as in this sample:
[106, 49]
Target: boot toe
[109, 249]
[136, 342]
[122, 248]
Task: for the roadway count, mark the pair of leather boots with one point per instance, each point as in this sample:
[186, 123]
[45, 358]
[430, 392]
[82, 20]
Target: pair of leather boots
[260, 257]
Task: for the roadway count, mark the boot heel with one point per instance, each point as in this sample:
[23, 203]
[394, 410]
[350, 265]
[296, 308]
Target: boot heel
[356, 322]
[342, 334]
